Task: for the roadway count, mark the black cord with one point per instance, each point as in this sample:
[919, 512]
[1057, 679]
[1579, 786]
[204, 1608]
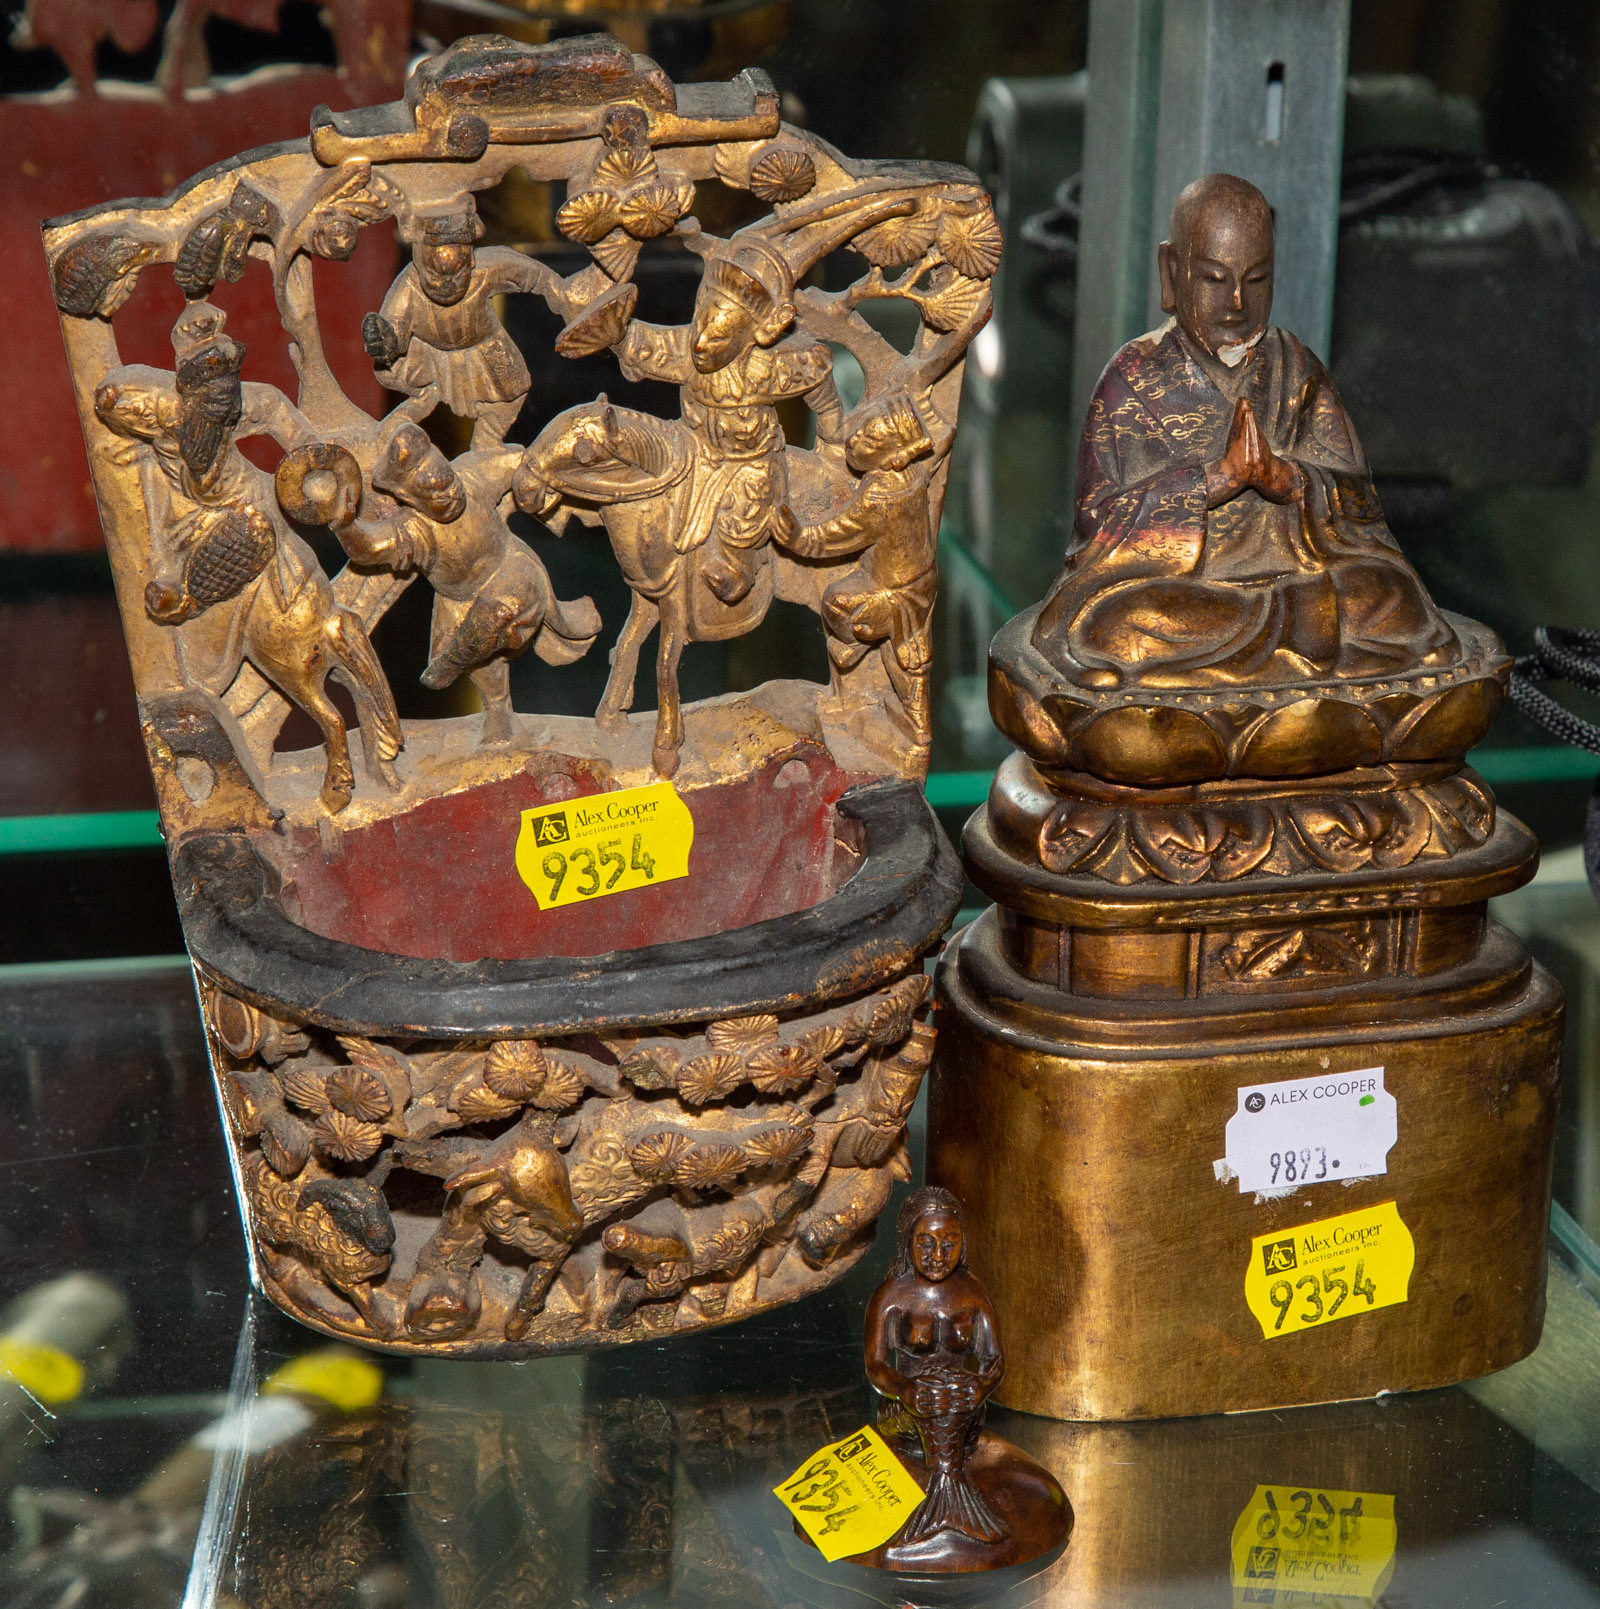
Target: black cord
[1385, 181]
[1569, 654]
[1372, 183]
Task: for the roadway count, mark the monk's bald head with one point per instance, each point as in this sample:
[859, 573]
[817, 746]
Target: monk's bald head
[1219, 204]
[1216, 264]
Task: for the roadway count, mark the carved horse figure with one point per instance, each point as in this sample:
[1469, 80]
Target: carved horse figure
[694, 505]
[629, 472]
[294, 634]
[240, 585]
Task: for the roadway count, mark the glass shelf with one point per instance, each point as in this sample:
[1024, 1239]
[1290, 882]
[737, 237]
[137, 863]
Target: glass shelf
[179, 1475]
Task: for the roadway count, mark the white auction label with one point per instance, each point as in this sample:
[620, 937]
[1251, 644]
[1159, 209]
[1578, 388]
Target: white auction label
[1311, 1131]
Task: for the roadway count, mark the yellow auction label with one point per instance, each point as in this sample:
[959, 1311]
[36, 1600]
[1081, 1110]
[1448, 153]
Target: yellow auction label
[1334, 1268]
[345, 1379]
[607, 843]
[45, 1372]
[1306, 1545]
[851, 1497]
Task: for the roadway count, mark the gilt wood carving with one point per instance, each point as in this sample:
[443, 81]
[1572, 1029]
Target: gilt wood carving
[1237, 844]
[1233, 603]
[464, 1123]
[609, 1188]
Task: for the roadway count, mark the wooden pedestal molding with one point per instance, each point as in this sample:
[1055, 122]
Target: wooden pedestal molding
[1096, 1027]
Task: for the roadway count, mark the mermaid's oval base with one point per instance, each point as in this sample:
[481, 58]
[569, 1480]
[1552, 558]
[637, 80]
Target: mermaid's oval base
[1023, 1495]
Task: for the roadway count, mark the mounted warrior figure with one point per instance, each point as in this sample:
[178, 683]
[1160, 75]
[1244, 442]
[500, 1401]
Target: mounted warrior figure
[229, 571]
[691, 504]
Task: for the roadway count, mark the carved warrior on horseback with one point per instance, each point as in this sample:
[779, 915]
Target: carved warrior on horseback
[691, 505]
[227, 569]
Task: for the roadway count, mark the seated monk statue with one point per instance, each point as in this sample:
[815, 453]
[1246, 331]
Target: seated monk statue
[1228, 532]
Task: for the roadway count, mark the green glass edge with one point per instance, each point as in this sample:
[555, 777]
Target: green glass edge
[1500, 768]
[102, 829]
[1571, 1234]
[88, 968]
[953, 550]
[946, 790]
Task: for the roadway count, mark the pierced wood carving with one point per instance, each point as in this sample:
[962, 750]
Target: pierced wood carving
[567, 1191]
[466, 1121]
[710, 516]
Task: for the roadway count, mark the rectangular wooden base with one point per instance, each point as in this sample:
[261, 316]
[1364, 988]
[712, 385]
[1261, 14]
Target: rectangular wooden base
[1116, 1257]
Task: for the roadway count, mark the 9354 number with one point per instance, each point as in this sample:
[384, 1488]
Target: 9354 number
[819, 1490]
[1282, 1294]
[592, 867]
[1312, 1515]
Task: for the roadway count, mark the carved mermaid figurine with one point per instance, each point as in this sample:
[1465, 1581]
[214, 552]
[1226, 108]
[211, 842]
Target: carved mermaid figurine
[933, 1355]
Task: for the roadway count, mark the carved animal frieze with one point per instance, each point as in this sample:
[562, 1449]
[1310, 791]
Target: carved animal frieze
[591, 1190]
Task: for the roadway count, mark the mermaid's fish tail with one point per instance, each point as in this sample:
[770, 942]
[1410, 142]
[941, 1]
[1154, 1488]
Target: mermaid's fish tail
[952, 1503]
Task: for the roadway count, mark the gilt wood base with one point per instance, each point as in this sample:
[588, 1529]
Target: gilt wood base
[1079, 1111]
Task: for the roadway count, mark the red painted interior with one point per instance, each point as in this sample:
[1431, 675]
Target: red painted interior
[440, 881]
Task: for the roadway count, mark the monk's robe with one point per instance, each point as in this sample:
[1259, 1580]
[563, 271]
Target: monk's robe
[1164, 592]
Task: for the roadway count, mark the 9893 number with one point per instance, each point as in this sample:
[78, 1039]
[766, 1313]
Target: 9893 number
[1282, 1294]
[1296, 1166]
[556, 866]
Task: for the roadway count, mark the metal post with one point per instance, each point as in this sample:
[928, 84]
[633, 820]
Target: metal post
[1181, 88]
[1119, 156]
[1256, 87]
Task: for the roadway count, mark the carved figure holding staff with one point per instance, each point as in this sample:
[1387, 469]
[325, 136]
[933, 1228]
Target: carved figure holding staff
[732, 366]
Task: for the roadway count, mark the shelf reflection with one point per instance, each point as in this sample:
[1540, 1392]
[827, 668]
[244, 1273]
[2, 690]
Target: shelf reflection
[640, 1476]
[554, 1482]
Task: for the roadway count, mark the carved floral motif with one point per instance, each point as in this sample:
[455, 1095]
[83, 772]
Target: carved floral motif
[1338, 951]
[1219, 839]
